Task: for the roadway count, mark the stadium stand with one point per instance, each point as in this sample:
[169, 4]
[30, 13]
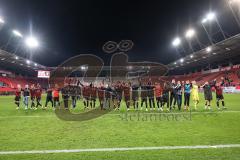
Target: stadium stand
[228, 74]
[9, 84]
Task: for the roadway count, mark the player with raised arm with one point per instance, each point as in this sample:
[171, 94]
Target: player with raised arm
[219, 93]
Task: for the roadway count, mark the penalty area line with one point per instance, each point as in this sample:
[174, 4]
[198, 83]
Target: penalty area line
[121, 149]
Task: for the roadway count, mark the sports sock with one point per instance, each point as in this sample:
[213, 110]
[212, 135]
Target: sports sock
[218, 104]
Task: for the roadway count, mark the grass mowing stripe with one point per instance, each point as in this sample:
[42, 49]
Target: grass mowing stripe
[120, 149]
[116, 114]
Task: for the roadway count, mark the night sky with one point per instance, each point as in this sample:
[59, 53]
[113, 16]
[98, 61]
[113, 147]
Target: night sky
[71, 27]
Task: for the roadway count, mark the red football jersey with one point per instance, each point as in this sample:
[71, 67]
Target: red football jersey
[38, 92]
[32, 93]
[18, 93]
[219, 90]
[94, 92]
[158, 91]
[126, 91]
[101, 92]
[86, 91]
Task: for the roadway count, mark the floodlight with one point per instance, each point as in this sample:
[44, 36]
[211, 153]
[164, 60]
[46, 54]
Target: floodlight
[31, 42]
[234, 1]
[211, 16]
[17, 33]
[209, 49]
[84, 68]
[176, 42]
[181, 60]
[130, 67]
[190, 33]
[204, 20]
[2, 20]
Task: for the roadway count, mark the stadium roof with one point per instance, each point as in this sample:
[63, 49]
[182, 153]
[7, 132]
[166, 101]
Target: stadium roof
[13, 62]
[222, 52]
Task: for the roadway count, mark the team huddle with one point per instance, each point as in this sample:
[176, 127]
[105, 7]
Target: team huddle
[139, 94]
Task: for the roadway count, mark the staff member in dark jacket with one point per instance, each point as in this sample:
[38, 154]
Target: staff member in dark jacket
[150, 90]
[135, 95]
[65, 96]
[144, 95]
[178, 93]
[49, 97]
[207, 88]
[173, 95]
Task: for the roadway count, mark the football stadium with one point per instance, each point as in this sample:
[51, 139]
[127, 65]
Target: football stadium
[101, 80]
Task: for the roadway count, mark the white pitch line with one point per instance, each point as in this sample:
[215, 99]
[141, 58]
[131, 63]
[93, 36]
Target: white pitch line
[120, 149]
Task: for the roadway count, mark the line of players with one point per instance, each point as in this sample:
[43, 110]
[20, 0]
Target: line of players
[142, 94]
[33, 94]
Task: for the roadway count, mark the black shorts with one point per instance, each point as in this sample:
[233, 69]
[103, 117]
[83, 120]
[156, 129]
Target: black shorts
[159, 99]
[49, 99]
[165, 98]
[119, 96]
[219, 97]
[135, 98]
[86, 98]
[17, 98]
[56, 99]
[126, 98]
[101, 98]
[93, 98]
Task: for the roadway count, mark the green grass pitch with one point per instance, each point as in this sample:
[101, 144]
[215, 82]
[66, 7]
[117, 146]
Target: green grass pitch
[41, 130]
